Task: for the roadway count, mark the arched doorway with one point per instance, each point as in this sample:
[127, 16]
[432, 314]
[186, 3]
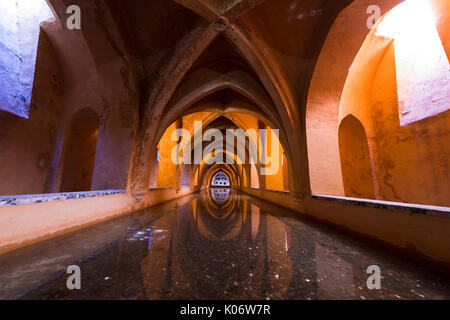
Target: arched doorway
[355, 159]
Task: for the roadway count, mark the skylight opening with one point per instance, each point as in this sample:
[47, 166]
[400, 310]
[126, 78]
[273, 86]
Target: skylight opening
[20, 22]
[422, 66]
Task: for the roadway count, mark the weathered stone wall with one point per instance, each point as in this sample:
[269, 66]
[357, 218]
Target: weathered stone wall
[26, 144]
[409, 161]
[19, 33]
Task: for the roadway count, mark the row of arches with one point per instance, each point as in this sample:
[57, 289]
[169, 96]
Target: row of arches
[76, 131]
[237, 159]
[360, 128]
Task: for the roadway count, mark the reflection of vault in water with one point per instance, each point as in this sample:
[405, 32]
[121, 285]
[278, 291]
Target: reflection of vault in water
[247, 249]
[220, 195]
[220, 210]
[218, 250]
[220, 222]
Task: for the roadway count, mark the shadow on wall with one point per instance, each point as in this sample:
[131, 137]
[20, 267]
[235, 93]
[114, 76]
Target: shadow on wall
[26, 144]
[80, 149]
[355, 159]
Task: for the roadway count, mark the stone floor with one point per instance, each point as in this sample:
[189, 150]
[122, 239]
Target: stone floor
[217, 245]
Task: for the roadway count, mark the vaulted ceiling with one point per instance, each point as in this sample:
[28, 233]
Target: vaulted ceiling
[180, 56]
[289, 32]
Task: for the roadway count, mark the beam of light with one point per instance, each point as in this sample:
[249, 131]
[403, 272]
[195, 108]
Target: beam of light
[45, 14]
[19, 35]
[422, 65]
[410, 19]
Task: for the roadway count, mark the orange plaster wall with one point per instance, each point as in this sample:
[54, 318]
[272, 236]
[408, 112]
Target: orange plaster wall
[331, 71]
[283, 199]
[285, 173]
[412, 161]
[275, 181]
[166, 168]
[188, 121]
[409, 163]
[247, 121]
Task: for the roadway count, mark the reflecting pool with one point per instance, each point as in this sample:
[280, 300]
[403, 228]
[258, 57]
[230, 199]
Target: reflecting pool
[215, 245]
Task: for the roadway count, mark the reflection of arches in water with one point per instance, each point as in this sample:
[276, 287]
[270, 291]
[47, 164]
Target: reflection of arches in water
[220, 195]
[223, 243]
[221, 222]
[246, 248]
[220, 179]
[220, 211]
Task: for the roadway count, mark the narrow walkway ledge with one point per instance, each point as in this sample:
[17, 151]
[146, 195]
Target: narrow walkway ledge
[22, 225]
[40, 198]
[275, 191]
[39, 217]
[443, 212]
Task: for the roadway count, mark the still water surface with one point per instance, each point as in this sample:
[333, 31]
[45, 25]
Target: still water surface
[215, 245]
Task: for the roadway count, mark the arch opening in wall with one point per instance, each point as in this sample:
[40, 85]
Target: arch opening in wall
[221, 179]
[355, 159]
[80, 150]
[166, 172]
